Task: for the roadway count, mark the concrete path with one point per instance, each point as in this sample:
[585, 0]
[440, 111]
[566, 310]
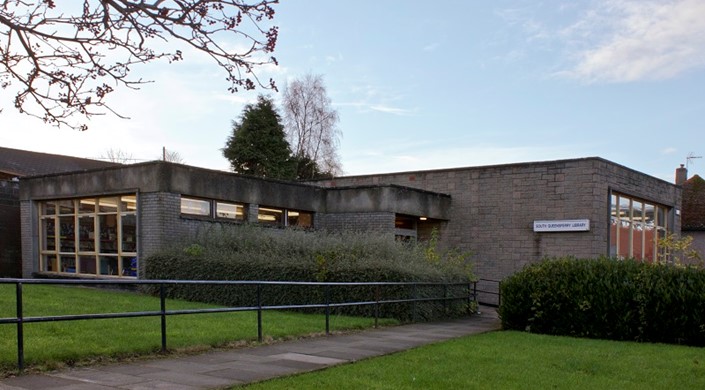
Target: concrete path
[220, 369]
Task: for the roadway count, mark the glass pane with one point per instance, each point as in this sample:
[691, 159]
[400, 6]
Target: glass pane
[68, 264]
[624, 207]
[86, 237]
[195, 206]
[66, 206]
[49, 263]
[129, 266]
[270, 216]
[661, 216]
[87, 264]
[128, 203]
[404, 222]
[49, 208]
[129, 233]
[107, 205]
[66, 235]
[230, 211]
[86, 206]
[108, 265]
[49, 234]
[300, 219]
[107, 226]
[649, 212]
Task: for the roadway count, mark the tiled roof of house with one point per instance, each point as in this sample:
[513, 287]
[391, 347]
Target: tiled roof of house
[20, 163]
[693, 205]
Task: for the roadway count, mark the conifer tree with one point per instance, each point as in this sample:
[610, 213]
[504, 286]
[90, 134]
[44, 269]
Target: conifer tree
[258, 145]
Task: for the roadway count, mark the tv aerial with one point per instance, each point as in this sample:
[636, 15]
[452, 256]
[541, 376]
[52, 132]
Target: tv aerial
[691, 156]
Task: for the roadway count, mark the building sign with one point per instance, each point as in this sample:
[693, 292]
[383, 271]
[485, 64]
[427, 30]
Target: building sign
[562, 225]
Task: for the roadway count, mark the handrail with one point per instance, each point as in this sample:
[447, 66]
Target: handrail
[20, 319]
[497, 292]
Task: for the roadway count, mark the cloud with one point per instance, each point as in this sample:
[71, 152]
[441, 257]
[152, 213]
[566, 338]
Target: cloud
[669, 150]
[390, 110]
[628, 40]
[334, 58]
[431, 47]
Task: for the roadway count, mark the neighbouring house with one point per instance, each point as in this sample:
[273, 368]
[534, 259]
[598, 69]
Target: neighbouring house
[105, 222]
[693, 213]
[15, 164]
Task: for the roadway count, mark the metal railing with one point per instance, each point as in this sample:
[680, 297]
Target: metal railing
[470, 295]
[488, 292]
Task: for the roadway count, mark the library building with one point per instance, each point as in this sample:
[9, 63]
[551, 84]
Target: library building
[104, 221]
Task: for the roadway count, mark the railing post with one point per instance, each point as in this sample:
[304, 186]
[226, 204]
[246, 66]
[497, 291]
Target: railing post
[445, 299]
[162, 308]
[20, 327]
[259, 312]
[327, 298]
[415, 296]
[378, 293]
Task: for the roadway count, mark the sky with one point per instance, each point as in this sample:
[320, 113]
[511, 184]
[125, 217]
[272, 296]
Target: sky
[421, 85]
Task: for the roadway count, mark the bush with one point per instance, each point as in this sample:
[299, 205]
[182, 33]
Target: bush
[256, 254]
[607, 298]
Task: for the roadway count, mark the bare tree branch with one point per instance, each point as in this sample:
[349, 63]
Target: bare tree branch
[65, 62]
[311, 123]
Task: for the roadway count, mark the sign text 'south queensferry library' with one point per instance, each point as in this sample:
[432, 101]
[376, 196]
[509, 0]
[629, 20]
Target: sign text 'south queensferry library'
[563, 225]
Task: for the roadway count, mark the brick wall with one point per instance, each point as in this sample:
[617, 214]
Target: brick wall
[698, 242]
[493, 208]
[10, 240]
[158, 223]
[28, 227]
[375, 222]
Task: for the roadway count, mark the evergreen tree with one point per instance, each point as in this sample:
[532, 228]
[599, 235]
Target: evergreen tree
[258, 145]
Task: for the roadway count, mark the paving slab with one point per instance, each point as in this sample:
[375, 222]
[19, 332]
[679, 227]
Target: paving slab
[219, 369]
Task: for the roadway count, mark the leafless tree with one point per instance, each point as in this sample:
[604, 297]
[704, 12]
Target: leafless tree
[61, 60]
[311, 123]
[172, 156]
[117, 156]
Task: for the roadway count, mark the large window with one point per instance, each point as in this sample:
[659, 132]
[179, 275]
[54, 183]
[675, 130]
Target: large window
[89, 236]
[635, 227]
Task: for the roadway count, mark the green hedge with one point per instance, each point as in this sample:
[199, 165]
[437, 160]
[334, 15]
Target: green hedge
[250, 253]
[607, 298]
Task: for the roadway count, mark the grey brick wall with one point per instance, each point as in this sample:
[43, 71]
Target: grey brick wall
[493, 207]
[10, 240]
[382, 222]
[29, 231]
[158, 222]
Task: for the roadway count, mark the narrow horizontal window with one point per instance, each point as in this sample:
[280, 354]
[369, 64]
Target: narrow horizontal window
[192, 206]
[230, 211]
[302, 219]
[270, 216]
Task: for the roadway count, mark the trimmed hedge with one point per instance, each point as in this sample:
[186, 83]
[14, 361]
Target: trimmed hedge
[608, 299]
[252, 253]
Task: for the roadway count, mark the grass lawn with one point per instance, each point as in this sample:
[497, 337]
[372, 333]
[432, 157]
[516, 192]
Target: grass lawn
[516, 360]
[53, 344]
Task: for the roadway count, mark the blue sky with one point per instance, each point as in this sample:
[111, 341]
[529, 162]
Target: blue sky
[458, 83]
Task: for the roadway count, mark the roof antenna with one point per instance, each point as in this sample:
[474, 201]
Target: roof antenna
[691, 156]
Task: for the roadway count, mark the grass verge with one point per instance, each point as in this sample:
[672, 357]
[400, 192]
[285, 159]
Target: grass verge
[516, 360]
[51, 345]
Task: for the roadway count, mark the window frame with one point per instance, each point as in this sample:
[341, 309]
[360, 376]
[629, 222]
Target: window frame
[643, 221]
[84, 256]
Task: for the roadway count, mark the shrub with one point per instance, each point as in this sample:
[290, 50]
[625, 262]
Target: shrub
[257, 254]
[607, 298]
